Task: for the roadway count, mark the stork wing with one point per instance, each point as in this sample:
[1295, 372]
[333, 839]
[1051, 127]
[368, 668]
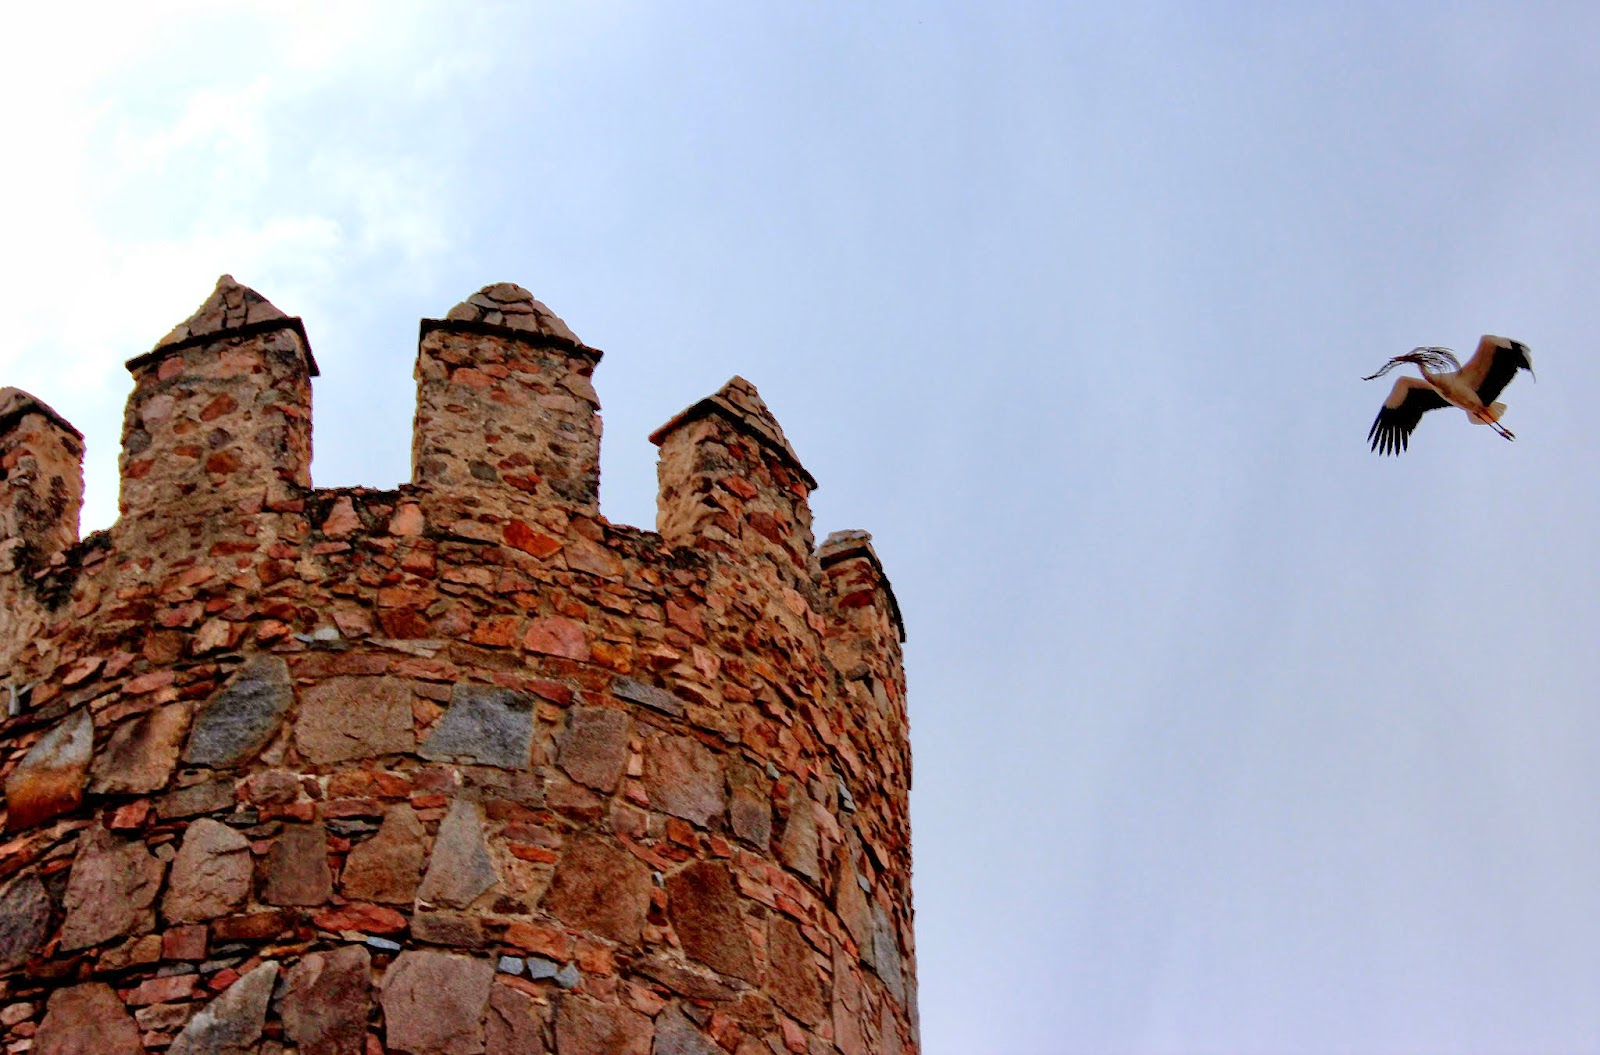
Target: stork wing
[1409, 399]
[1494, 364]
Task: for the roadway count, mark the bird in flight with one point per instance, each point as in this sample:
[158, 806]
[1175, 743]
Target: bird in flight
[1446, 383]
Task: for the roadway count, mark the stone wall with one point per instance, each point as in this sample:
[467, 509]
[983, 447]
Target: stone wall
[460, 767]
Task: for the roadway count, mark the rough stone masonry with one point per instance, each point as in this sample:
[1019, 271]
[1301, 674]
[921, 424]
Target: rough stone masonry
[459, 767]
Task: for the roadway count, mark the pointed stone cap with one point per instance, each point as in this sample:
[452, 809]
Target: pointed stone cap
[843, 545]
[230, 308]
[740, 403]
[15, 403]
[508, 304]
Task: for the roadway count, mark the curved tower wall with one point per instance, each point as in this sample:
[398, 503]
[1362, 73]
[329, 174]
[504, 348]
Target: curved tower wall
[457, 767]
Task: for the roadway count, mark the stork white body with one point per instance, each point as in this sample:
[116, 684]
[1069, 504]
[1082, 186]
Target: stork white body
[1445, 382]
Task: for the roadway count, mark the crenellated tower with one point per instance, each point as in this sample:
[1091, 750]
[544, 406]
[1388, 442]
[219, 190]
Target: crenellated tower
[458, 767]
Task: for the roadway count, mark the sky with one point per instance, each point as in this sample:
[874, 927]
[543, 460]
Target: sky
[1229, 735]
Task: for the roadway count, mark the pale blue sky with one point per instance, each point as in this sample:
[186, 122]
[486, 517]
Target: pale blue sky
[1229, 735]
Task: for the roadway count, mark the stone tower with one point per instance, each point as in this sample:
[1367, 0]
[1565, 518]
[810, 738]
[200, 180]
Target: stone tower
[459, 767]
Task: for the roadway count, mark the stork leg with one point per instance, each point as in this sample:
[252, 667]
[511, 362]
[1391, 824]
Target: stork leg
[1501, 429]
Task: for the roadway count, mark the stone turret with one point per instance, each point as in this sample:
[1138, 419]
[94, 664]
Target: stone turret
[41, 495]
[456, 767]
[220, 415]
[731, 484]
[507, 419]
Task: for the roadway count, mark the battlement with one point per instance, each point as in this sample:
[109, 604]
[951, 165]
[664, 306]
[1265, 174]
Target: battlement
[520, 778]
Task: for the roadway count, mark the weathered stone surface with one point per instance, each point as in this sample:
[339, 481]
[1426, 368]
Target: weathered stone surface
[586, 1027]
[888, 1032]
[799, 846]
[229, 307]
[740, 401]
[557, 636]
[326, 999]
[448, 928]
[196, 799]
[508, 304]
[676, 1035]
[886, 952]
[485, 725]
[296, 869]
[166, 1019]
[386, 867]
[792, 976]
[231, 1023]
[593, 748]
[141, 754]
[848, 1032]
[111, 891]
[360, 916]
[237, 722]
[24, 919]
[272, 787]
[50, 778]
[704, 910]
[253, 926]
[600, 887]
[849, 900]
[433, 1003]
[347, 718]
[514, 1025]
[683, 979]
[461, 867]
[211, 875]
[87, 1019]
[750, 808]
[184, 943]
[635, 691]
[683, 777]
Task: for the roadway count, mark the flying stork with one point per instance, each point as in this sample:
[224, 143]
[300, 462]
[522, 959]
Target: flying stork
[1444, 383]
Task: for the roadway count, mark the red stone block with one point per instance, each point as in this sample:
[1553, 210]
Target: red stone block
[794, 1038]
[537, 854]
[596, 959]
[184, 943]
[162, 990]
[366, 783]
[520, 536]
[428, 669]
[156, 679]
[253, 926]
[536, 938]
[500, 632]
[523, 985]
[351, 808]
[680, 832]
[371, 919]
[130, 816]
[404, 623]
[557, 636]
